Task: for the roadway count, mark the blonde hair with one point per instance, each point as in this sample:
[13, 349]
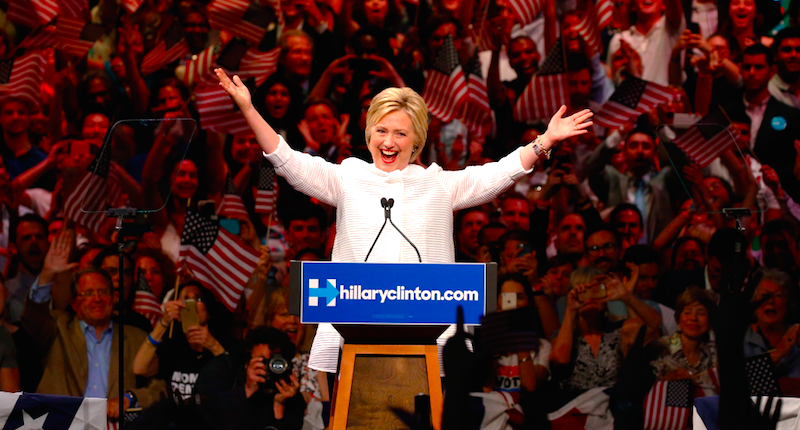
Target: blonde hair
[407, 100]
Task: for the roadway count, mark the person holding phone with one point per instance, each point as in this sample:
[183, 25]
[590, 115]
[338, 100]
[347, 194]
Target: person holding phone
[425, 198]
[588, 351]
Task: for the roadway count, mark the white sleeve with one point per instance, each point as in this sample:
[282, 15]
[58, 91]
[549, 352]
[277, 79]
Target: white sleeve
[476, 185]
[543, 356]
[312, 176]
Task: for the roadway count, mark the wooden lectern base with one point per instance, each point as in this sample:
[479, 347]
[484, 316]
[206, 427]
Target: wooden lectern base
[373, 378]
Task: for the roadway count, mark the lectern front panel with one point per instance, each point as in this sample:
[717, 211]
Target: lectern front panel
[381, 382]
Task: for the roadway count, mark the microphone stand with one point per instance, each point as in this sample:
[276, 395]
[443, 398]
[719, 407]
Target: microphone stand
[120, 214]
[387, 216]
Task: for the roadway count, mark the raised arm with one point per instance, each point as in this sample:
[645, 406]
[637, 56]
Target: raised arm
[558, 129]
[267, 137]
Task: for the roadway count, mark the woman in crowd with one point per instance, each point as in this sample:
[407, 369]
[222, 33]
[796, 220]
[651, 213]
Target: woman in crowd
[587, 352]
[280, 102]
[424, 203]
[690, 353]
[158, 269]
[772, 331]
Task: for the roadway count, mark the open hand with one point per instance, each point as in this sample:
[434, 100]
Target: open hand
[236, 89]
[561, 128]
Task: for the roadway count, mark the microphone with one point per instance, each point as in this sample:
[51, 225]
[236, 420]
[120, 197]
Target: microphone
[387, 205]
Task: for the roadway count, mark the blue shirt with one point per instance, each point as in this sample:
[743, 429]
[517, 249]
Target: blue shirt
[98, 352]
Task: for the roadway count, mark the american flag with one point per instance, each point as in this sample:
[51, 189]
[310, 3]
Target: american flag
[480, 23]
[221, 261]
[76, 36]
[239, 59]
[445, 86]
[245, 18]
[145, 302]
[132, 5]
[98, 186]
[589, 29]
[41, 38]
[217, 111]
[22, 77]
[32, 13]
[232, 205]
[668, 405]
[72, 8]
[761, 374]
[525, 10]
[707, 138]
[548, 89]
[172, 47]
[478, 111]
[631, 99]
[605, 13]
[199, 66]
[267, 189]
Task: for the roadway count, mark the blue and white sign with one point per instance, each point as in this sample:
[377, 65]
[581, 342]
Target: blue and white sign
[386, 293]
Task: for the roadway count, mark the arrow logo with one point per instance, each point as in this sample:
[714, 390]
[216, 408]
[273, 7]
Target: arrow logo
[329, 292]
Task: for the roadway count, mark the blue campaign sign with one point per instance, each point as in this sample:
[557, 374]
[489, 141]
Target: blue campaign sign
[388, 293]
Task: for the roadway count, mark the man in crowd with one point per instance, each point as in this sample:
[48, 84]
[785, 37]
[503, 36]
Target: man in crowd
[468, 224]
[29, 246]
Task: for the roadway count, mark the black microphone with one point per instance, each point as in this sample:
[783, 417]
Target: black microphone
[387, 205]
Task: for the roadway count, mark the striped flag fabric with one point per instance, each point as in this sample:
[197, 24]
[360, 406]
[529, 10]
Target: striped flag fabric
[668, 405]
[245, 18]
[221, 261]
[589, 29]
[232, 205]
[76, 36]
[605, 13]
[199, 66]
[32, 13]
[87, 202]
[708, 137]
[22, 77]
[589, 411]
[480, 24]
[478, 111]
[132, 5]
[632, 98]
[238, 58]
[267, 189]
[217, 111]
[525, 11]
[145, 302]
[38, 411]
[445, 86]
[548, 89]
[72, 8]
[41, 38]
[171, 47]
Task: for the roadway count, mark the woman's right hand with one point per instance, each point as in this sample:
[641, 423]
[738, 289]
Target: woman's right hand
[573, 302]
[172, 311]
[785, 346]
[236, 89]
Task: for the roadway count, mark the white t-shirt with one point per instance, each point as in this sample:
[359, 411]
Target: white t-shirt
[654, 48]
[508, 378]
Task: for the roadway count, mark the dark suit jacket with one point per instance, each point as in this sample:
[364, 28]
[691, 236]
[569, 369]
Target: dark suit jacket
[775, 148]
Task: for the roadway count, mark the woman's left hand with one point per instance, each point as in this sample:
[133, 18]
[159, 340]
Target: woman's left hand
[615, 289]
[561, 128]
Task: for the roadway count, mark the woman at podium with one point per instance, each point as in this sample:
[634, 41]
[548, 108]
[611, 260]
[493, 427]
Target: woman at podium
[424, 198]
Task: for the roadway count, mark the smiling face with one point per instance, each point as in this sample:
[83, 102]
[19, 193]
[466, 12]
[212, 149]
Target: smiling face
[773, 310]
[523, 56]
[742, 13]
[569, 32]
[15, 118]
[298, 57]
[391, 141]
[244, 148]
[648, 8]
[277, 101]
[95, 126]
[716, 188]
[639, 152]
[93, 304]
[693, 321]
[689, 256]
[185, 179]
[289, 324]
[151, 270]
[788, 58]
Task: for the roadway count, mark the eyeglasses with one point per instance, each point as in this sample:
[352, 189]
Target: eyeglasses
[90, 293]
[606, 247]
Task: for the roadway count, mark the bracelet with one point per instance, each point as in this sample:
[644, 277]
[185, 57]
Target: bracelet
[152, 341]
[538, 148]
[132, 400]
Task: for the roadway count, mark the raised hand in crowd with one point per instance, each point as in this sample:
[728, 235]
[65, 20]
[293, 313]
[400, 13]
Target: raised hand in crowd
[386, 71]
[57, 259]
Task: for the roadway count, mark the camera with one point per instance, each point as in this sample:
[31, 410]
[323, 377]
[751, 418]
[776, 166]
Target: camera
[278, 369]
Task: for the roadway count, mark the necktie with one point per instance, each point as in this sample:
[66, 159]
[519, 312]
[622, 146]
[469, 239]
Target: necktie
[640, 200]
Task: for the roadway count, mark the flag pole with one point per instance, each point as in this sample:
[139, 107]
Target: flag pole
[178, 279]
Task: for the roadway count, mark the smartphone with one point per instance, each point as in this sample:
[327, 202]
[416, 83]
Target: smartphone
[232, 225]
[508, 301]
[207, 207]
[595, 291]
[523, 249]
[362, 65]
[693, 27]
[189, 315]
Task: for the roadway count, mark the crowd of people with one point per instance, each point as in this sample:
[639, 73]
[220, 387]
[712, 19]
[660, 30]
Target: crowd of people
[616, 246]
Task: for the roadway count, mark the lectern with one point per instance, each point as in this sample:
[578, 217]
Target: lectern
[390, 315]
